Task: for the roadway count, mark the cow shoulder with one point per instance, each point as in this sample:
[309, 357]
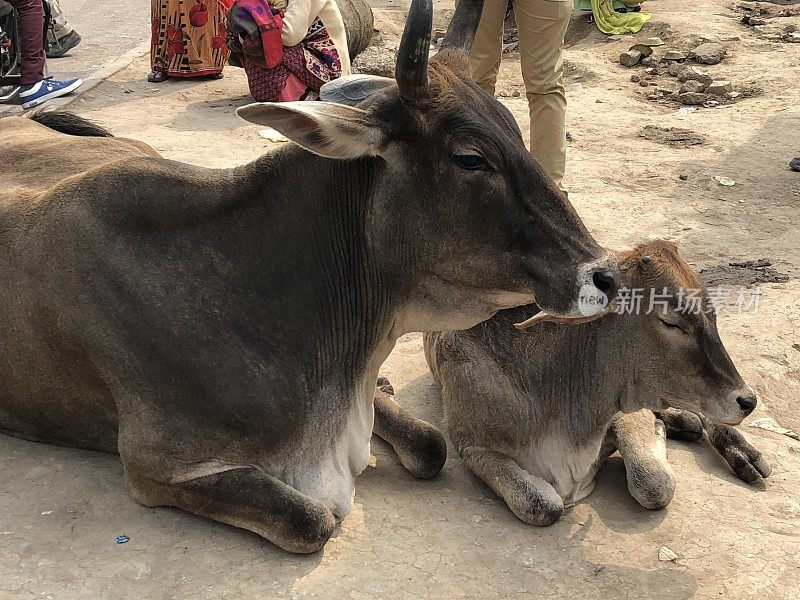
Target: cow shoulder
[149, 193]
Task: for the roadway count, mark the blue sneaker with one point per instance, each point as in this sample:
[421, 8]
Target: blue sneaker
[47, 89]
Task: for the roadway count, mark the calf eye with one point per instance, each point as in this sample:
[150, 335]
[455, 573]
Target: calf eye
[471, 162]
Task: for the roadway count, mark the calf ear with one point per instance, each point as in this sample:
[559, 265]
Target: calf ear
[330, 130]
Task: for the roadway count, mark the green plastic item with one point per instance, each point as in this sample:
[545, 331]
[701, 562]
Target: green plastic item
[612, 21]
[618, 4]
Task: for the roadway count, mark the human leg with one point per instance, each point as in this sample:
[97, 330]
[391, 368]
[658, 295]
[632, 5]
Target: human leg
[487, 49]
[61, 37]
[35, 88]
[542, 25]
[30, 15]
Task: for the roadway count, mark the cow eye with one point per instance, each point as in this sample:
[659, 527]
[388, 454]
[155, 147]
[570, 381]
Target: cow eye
[471, 162]
[669, 324]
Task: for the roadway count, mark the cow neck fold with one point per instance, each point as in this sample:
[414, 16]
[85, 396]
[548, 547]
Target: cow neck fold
[341, 291]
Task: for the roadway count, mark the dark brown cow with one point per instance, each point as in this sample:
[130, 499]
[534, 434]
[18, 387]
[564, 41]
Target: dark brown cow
[223, 329]
[534, 413]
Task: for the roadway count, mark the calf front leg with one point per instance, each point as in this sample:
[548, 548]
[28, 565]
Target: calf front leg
[244, 497]
[747, 463]
[681, 424]
[419, 445]
[529, 497]
[642, 442]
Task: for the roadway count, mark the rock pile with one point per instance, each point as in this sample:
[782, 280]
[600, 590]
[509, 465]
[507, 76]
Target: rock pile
[765, 21]
[698, 88]
[708, 53]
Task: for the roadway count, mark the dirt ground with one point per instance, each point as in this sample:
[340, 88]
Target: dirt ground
[61, 509]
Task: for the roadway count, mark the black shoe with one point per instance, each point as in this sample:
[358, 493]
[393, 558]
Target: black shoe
[795, 164]
[64, 45]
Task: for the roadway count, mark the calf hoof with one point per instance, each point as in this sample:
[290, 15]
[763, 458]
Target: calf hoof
[653, 488]
[746, 461]
[682, 425]
[425, 452]
[536, 509]
[385, 386]
[308, 530]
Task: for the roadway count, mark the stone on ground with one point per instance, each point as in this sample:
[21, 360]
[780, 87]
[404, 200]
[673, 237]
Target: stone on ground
[710, 53]
[692, 98]
[694, 73]
[719, 88]
[693, 86]
[630, 58]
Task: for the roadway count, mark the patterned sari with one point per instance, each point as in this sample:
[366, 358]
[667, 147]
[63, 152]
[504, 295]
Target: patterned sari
[189, 37]
[277, 73]
[302, 71]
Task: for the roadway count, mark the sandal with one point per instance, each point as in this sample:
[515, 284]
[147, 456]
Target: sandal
[157, 77]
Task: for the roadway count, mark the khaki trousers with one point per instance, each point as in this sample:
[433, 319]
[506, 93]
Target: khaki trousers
[542, 25]
[60, 27]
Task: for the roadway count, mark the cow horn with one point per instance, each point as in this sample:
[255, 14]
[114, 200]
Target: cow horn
[411, 70]
[543, 317]
[461, 31]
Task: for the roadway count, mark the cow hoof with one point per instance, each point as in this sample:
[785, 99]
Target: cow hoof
[653, 498]
[747, 462]
[245, 498]
[537, 504]
[419, 445]
[426, 452]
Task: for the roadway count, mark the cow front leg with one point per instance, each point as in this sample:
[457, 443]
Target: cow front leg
[419, 445]
[244, 497]
[529, 497]
[642, 442]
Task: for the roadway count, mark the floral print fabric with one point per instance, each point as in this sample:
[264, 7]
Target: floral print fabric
[188, 37]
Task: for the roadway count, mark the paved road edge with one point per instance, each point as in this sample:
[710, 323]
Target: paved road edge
[90, 82]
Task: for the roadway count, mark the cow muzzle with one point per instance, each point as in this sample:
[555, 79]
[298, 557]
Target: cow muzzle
[597, 284]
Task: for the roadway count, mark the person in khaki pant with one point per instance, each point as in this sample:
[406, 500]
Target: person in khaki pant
[542, 25]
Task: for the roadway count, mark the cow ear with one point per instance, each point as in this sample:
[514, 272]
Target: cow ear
[330, 130]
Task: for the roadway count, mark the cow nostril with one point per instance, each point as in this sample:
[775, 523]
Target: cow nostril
[606, 282]
[747, 403]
